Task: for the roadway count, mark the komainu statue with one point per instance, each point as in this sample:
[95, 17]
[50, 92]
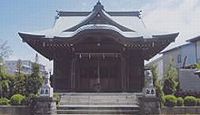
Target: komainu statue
[149, 89]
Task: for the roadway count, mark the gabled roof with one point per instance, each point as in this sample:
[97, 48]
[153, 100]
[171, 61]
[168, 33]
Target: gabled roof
[67, 24]
[98, 16]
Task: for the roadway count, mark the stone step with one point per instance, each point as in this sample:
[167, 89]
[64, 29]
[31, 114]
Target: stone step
[93, 98]
[98, 103]
[101, 94]
[98, 109]
[65, 107]
[131, 112]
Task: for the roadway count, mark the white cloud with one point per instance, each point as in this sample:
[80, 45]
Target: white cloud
[174, 15]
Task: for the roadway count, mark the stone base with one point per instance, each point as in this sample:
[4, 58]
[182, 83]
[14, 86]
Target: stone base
[149, 105]
[45, 106]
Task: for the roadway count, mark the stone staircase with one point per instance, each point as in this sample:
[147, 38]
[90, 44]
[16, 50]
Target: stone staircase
[99, 103]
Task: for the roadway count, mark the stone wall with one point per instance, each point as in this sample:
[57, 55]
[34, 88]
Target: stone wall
[181, 110]
[14, 110]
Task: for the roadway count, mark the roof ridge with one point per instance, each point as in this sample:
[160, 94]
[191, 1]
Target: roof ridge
[99, 16]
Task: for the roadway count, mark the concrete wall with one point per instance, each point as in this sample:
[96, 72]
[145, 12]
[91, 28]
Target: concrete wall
[14, 110]
[180, 110]
[188, 80]
[198, 51]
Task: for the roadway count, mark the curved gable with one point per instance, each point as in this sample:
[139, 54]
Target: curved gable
[99, 16]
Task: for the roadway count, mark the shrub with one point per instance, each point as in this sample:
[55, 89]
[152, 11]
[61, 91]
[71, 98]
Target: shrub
[57, 97]
[29, 100]
[170, 100]
[190, 101]
[4, 101]
[180, 101]
[17, 99]
[198, 102]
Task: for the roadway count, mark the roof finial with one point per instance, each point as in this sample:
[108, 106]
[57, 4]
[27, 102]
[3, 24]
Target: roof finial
[99, 1]
[98, 5]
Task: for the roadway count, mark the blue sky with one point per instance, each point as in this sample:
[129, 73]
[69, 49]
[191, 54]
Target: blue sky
[34, 15]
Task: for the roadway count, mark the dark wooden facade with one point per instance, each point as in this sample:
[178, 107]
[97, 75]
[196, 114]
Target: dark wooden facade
[98, 57]
[99, 65]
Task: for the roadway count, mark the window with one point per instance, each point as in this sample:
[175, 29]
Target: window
[179, 58]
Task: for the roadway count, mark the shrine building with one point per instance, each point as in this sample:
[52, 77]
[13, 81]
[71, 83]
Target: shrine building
[98, 51]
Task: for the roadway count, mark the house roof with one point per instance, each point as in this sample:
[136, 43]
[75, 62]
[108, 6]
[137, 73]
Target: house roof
[197, 38]
[174, 47]
[67, 24]
[127, 28]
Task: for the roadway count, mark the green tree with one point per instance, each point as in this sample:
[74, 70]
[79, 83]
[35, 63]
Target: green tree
[171, 72]
[154, 73]
[6, 82]
[170, 80]
[157, 84]
[19, 67]
[34, 81]
[19, 84]
[169, 86]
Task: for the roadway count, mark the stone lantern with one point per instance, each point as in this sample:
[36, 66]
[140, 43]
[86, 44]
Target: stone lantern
[46, 90]
[45, 104]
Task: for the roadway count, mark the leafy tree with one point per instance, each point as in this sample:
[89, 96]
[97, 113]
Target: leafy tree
[169, 86]
[4, 50]
[19, 66]
[154, 73]
[34, 81]
[159, 91]
[19, 84]
[5, 84]
[170, 80]
[157, 83]
[171, 72]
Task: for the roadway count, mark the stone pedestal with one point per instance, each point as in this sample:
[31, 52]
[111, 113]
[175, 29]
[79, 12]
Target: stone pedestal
[149, 105]
[45, 106]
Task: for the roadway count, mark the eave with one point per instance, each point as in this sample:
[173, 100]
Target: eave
[49, 46]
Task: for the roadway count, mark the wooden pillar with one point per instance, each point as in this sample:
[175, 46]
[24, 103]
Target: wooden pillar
[127, 65]
[123, 73]
[73, 67]
[77, 77]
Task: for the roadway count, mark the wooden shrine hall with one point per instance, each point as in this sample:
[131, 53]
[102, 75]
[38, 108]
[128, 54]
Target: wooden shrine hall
[98, 51]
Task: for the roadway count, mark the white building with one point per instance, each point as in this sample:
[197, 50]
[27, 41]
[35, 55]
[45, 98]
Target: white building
[26, 67]
[180, 56]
